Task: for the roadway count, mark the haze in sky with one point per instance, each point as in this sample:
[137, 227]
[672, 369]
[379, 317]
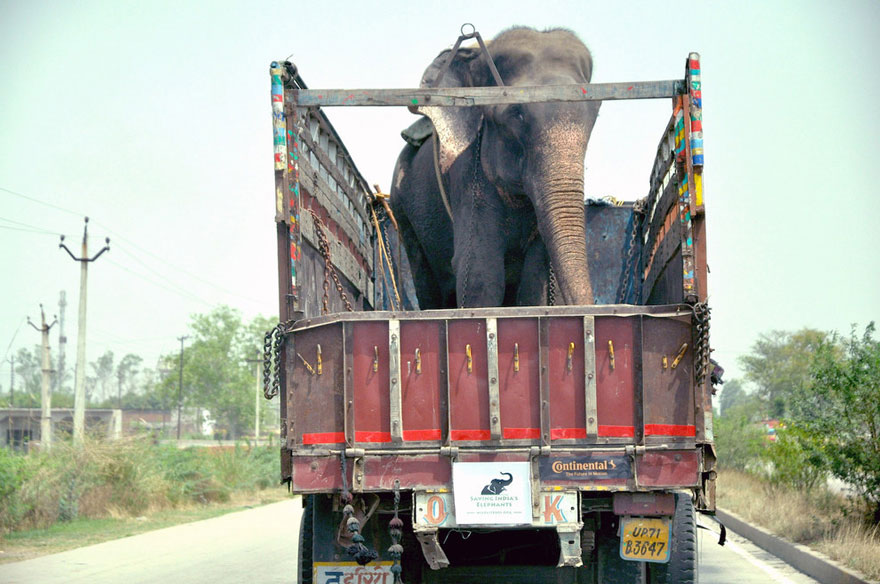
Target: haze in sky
[154, 119]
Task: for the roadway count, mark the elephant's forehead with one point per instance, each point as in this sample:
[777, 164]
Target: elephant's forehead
[563, 134]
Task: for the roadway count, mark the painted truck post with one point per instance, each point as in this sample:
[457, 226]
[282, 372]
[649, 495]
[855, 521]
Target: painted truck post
[567, 443]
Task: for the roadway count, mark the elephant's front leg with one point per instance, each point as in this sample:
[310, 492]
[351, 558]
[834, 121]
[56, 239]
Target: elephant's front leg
[534, 282]
[478, 262]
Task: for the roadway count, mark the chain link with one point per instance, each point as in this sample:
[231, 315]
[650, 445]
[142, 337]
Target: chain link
[552, 285]
[395, 530]
[329, 268]
[702, 315]
[629, 278]
[272, 342]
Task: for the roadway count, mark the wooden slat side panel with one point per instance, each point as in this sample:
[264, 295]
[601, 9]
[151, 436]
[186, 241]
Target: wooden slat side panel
[468, 390]
[424, 381]
[520, 390]
[372, 404]
[615, 384]
[567, 399]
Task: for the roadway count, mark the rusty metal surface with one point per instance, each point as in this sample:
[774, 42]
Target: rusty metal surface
[644, 504]
[608, 229]
[669, 469]
[668, 380]
[324, 424]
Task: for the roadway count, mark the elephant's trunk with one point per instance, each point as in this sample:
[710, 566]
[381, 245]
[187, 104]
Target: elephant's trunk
[508, 480]
[559, 206]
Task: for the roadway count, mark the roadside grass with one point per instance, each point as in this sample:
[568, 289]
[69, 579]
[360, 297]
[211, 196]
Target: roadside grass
[74, 496]
[62, 536]
[819, 518]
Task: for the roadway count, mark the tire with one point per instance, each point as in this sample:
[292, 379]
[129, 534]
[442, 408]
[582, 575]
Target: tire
[306, 533]
[682, 566]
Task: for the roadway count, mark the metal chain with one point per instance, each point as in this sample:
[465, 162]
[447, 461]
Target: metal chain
[552, 285]
[629, 278]
[357, 550]
[329, 268]
[272, 342]
[462, 302]
[702, 314]
[395, 529]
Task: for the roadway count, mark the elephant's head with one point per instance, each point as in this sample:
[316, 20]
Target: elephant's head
[530, 152]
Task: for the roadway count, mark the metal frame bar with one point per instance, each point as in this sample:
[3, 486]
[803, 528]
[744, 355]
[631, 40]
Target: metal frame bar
[471, 96]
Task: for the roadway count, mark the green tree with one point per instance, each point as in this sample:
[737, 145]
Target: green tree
[841, 410]
[779, 366]
[733, 394]
[99, 385]
[28, 377]
[216, 372]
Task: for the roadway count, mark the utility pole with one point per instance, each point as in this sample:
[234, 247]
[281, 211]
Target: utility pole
[79, 388]
[12, 381]
[259, 363]
[62, 340]
[46, 393]
[180, 386]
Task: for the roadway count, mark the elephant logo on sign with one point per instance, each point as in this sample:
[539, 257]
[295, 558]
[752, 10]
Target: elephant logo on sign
[497, 486]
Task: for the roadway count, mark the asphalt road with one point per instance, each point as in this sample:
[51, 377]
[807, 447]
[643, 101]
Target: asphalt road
[259, 546]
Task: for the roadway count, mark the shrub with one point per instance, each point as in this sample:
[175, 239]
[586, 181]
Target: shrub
[795, 459]
[739, 442]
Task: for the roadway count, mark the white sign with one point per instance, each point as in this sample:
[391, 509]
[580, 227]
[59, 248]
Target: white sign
[352, 573]
[492, 493]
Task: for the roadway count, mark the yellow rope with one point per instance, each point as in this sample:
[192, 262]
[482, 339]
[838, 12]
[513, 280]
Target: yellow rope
[384, 251]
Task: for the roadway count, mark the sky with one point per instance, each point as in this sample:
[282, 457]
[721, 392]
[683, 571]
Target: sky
[154, 120]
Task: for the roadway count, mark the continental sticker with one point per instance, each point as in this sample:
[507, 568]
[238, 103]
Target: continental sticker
[352, 573]
[588, 467]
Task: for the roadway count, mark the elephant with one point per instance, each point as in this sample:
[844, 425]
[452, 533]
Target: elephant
[497, 486]
[504, 224]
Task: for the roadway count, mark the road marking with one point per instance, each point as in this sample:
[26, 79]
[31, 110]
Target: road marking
[775, 574]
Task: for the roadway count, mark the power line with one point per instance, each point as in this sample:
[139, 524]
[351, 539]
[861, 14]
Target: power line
[38, 201]
[181, 293]
[33, 228]
[118, 235]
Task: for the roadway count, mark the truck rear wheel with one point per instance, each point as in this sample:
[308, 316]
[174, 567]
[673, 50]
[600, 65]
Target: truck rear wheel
[682, 566]
[306, 533]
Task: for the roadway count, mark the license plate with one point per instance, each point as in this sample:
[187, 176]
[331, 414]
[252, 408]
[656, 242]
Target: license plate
[645, 539]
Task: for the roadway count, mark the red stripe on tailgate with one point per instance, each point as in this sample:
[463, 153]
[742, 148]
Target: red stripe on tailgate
[617, 431]
[567, 433]
[669, 430]
[324, 438]
[521, 433]
[419, 435]
[372, 436]
[470, 434]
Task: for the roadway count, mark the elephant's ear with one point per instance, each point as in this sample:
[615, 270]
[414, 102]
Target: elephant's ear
[456, 127]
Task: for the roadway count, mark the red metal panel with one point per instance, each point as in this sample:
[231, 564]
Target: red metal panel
[317, 413]
[615, 384]
[668, 380]
[425, 471]
[468, 390]
[424, 395]
[372, 401]
[568, 418]
[519, 390]
[674, 468]
[318, 474]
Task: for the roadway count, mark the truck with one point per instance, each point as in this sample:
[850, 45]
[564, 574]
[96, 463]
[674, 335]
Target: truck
[510, 444]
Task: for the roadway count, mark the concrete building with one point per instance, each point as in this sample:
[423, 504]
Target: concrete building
[20, 427]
